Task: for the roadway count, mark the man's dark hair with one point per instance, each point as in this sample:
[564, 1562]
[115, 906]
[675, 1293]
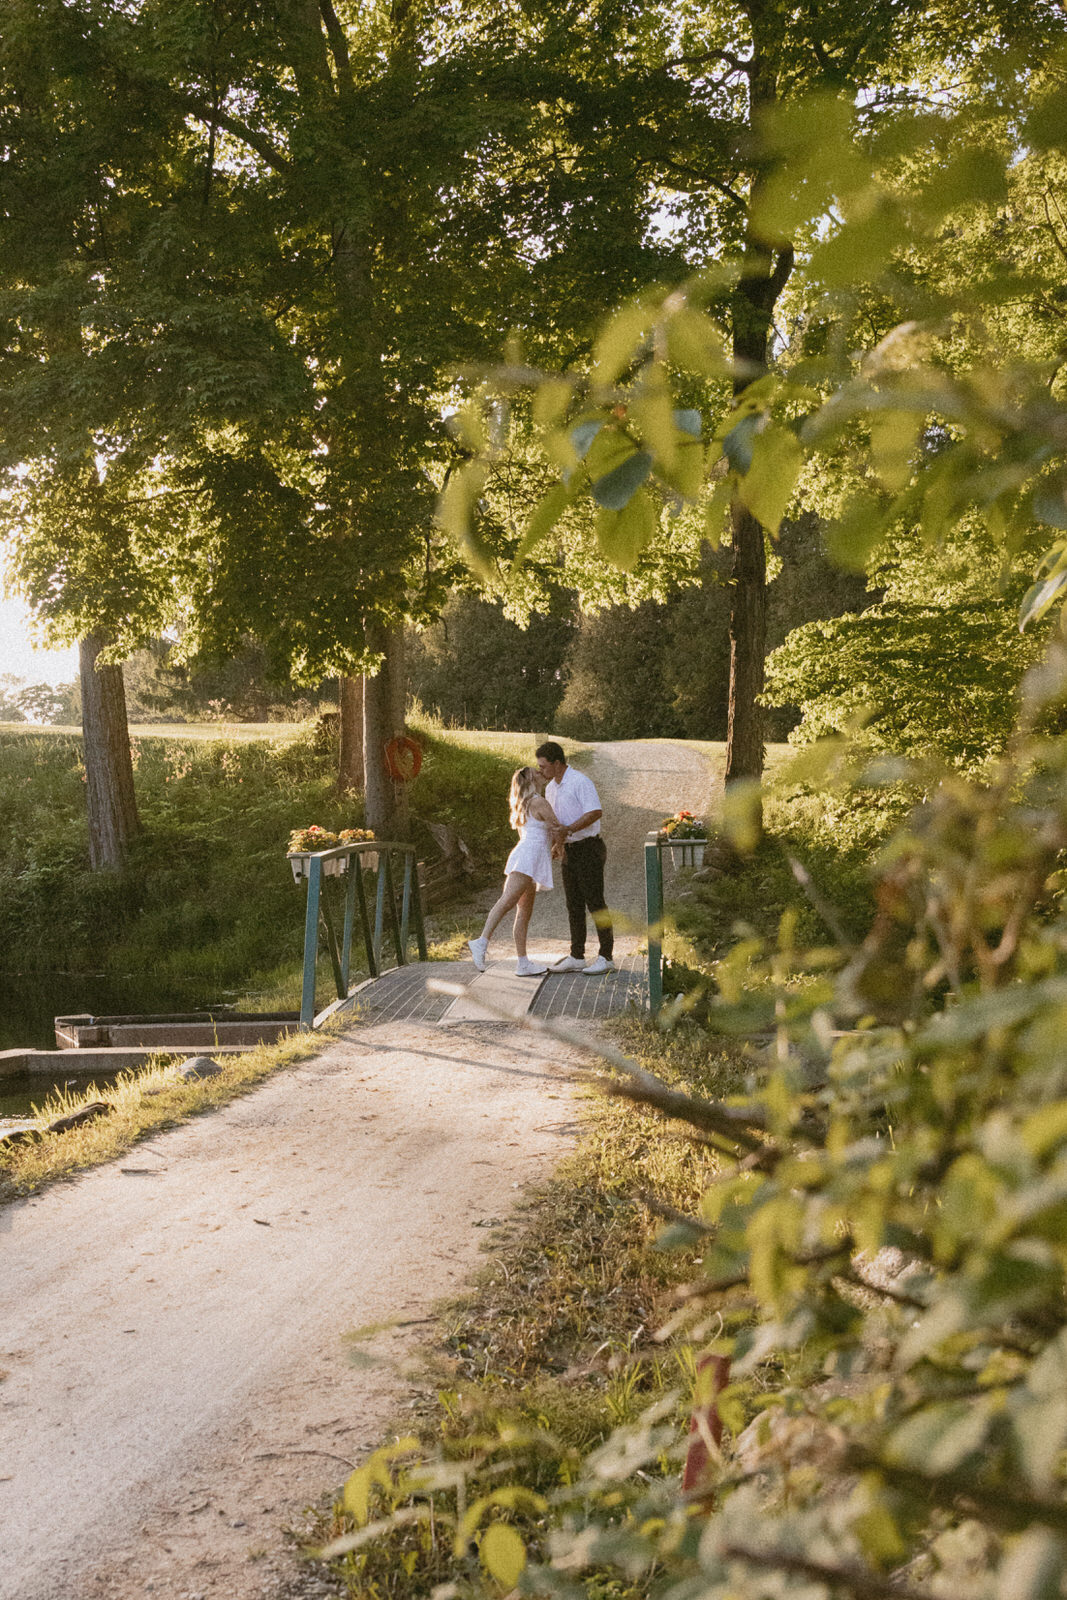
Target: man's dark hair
[551, 751]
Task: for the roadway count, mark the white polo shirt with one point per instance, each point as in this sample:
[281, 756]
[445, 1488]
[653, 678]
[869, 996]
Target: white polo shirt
[571, 798]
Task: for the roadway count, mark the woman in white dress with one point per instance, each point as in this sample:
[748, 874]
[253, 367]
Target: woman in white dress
[528, 869]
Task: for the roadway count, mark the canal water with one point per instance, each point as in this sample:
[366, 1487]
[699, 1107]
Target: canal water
[29, 1006]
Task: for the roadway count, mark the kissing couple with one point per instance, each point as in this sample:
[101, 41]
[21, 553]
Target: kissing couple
[556, 812]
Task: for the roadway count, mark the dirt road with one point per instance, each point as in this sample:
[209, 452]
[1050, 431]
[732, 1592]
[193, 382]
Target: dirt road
[176, 1332]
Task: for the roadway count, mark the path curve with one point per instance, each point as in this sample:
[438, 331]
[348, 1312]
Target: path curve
[176, 1372]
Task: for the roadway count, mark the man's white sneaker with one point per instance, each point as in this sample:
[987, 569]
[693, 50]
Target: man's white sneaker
[477, 948]
[524, 968]
[601, 964]
[569, 964]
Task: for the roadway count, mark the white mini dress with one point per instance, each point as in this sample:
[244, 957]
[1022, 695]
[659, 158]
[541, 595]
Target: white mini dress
[532, 854]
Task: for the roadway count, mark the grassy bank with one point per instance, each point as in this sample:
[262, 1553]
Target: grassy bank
[142, 1103]
[556, 1344]
[206, 909]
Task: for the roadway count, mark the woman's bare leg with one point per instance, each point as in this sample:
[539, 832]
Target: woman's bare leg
[516, 885]
[523, 913]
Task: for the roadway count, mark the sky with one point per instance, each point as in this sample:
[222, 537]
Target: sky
[18, 655]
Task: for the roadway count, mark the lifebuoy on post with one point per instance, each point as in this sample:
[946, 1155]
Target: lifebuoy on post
[403, 758]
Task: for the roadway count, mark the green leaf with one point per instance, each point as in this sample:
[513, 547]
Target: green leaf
[695, 343]
[686, 476]
[1040, 1434]
[767, 488]
[1039, 597]
[1046, 126]
[618, 487]
[737, 445]
[619, 342]
[622, 535]
[545, 516]
[503, 1554]
[853, 538]
[975, 174]
[818, 157]
[583, 434]
[716, 511]
[1033, 1568]
[455, 517]
[688, 421]
[860, 250]
[653, 414]
[894, 436]
[550, 401]
[941, 1437]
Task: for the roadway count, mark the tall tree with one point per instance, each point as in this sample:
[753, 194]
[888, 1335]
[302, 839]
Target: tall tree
[705, 114]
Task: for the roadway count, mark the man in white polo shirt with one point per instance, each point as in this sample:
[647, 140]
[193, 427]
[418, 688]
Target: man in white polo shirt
[574, 799]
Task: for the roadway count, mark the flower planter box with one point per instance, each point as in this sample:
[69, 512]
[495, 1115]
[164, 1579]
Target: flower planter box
[332, 867]
[686, 852]
[300, 862]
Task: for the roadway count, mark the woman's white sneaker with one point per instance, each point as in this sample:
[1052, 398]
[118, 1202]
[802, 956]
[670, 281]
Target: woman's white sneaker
[524, 968]
[477, 948]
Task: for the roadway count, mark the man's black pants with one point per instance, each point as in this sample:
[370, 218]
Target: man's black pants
[583, 885]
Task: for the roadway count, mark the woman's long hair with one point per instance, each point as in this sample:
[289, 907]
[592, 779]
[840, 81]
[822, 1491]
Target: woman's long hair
[523, 790]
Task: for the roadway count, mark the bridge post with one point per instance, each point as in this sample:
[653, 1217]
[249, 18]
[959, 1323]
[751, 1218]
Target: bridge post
[653, 919]
[311, 942]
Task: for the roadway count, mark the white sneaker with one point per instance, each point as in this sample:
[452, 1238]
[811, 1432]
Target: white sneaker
[601, 964]
[477, 948]
[569, 964]
[525, 968]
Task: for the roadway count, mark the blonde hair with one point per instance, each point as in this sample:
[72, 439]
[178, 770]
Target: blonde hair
[523, 790]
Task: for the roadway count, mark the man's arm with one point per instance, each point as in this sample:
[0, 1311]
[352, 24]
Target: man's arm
[584, 821]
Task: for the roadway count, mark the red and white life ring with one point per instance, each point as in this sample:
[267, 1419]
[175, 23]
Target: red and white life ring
[403, 758]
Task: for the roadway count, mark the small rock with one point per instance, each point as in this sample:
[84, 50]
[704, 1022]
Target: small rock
[88, 1113]
[199, 1067]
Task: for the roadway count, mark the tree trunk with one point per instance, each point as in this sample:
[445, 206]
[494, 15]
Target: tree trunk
[397, 691]
[350, 769]
[112, 804]
[384, 698]
[748, 645]
[380, 810]
[763, 278]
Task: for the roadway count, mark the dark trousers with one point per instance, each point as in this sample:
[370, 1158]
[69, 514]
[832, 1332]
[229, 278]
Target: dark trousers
[583, 885]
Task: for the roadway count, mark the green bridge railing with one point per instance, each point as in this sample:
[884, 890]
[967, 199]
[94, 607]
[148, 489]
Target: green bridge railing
[402, 919]
[683, 852]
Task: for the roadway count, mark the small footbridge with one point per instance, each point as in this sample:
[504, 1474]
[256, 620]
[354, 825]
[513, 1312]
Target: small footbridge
[382, 897]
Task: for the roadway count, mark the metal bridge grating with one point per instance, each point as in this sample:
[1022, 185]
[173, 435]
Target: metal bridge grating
[400, 995]
[572, 994]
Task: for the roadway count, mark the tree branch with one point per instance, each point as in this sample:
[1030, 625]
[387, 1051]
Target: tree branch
[255, 141]
[864, 1585]
[339, 50]
[703, 56]
[712, 183]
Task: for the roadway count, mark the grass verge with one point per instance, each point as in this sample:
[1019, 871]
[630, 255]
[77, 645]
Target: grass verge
[555, 1345]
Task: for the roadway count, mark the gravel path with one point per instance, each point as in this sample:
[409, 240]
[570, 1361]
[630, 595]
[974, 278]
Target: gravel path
[177, 1372]
[177, 1326]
